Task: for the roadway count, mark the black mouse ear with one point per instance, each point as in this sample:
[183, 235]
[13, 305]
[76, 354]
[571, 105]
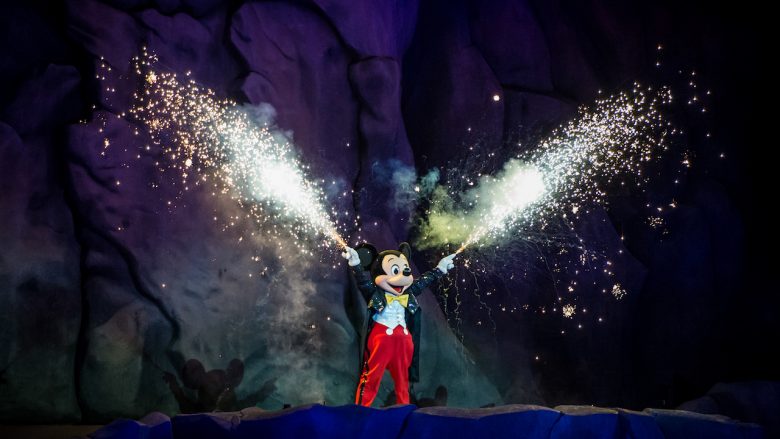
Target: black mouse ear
[406, 249]
[367, 253]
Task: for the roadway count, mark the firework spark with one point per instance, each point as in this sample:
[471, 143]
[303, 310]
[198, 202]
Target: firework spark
[618, 291]
[606, 144]
[212, 141]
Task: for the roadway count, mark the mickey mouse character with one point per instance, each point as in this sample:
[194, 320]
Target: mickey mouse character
[394, 316]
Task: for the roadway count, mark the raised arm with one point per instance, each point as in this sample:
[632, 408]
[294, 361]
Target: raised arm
[364, 282]
[429, 277]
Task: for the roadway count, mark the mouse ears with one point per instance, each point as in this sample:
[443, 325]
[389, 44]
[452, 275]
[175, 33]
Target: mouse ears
[367, 254]
[406, 249]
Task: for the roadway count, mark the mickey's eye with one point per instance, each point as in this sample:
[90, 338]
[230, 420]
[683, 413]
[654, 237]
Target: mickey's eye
[395, 269]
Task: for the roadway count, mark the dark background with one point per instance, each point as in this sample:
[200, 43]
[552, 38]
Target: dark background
[362, 86]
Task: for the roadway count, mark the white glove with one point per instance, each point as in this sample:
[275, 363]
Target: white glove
[351, 256]
[446, 263]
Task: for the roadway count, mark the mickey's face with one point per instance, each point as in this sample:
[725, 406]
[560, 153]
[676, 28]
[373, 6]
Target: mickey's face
[389, 268]
[397, 275]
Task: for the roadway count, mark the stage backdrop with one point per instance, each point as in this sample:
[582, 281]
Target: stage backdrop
[111, 281]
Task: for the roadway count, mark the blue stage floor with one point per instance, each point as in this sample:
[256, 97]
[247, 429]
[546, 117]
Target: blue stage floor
[511, 421]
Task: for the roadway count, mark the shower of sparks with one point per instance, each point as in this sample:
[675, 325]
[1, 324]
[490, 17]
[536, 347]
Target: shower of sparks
[519, 226]
[213, 142]
[518, 188]
[607, 144]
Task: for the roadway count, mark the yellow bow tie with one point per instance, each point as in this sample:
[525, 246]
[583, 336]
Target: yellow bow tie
[402, 299]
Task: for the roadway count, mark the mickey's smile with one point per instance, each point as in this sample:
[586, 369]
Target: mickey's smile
[393, 273]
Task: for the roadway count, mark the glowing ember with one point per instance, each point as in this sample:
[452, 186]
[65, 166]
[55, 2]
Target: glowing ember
[618, 291]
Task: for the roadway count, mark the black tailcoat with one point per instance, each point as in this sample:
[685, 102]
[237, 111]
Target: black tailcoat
[375, 298]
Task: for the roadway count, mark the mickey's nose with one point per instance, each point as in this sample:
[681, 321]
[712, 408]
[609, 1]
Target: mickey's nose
[407, 271]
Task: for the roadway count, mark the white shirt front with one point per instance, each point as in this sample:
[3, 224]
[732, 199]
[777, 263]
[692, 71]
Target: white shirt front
[393, 315]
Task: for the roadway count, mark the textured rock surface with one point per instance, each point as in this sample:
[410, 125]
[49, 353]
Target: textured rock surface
[105, 287]
[509, 421]
[40, 294]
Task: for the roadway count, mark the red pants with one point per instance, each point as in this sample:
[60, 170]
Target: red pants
[393, 352]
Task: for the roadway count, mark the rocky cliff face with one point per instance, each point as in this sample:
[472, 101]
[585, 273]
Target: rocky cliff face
[105, 287]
